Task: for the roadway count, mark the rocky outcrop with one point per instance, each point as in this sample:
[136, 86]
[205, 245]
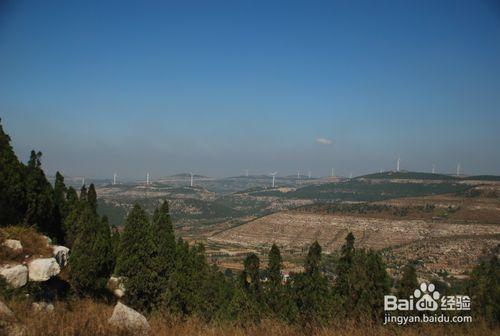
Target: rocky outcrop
[117, 286]
[13, 244]
[43, 269]
[61, 253]
[15, 275]
[126, 318]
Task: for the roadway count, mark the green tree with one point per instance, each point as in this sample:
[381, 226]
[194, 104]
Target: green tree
[40, 202]
[12, 188]
[408, 283]
[135, 260]
[91, 260]
[484, 290]
[311, 290]
[250, 277]
[92, 197]
[165, 256]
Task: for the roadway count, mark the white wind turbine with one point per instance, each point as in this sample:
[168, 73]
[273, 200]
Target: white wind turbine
[115, 175]
[398, 163]
[191, 183]
[147, 178]
[274, 176]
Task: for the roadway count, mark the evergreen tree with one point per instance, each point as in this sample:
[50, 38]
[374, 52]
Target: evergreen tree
[92, 197]
[40, 202]
[71, 199]
[91, 260]
[165, 243]
[275, 266]
[344, 281]
[484, 290]
[60, 204]
[278, 296]
[408, 283]
[311, 291]
[135, 260]
[250, 277]
[12, 188]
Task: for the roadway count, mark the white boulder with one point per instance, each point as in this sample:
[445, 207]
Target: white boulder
[61, 253]
[43, 269]
[13, 244]
[128, 319]
[15, 275]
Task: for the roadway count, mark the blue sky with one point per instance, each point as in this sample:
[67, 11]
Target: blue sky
[218, 87]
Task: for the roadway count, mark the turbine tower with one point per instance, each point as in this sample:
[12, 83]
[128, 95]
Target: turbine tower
[309, 174]
[433, 168]
[333, 172]
[398, 164]
[191, 184]
[274, 176]
[114, 178]
[246, 172]
[350, 176]
[298, 174]
[83, 181]
[147, 178]
[458, 169]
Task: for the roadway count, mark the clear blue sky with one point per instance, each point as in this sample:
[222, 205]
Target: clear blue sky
[217, 87]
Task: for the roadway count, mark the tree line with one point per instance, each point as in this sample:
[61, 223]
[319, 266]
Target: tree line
[161, 272]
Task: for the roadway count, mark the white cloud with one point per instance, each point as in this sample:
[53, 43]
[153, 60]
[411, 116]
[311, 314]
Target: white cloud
[323, 141]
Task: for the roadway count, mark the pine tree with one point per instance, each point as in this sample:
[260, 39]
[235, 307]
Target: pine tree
[408, 283]
[275, 266]
[91, 260]
[311, 291]
[40, 202]
[250, 277]
[71, 198]
[165, 243]
[313, 259]
[92, 197]
[13, 192]
[278, 298]
[344, 282]
[135, 260]
[484, 290]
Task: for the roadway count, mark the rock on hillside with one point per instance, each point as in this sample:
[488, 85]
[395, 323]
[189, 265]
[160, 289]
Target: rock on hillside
[15, 275]
[128, 319]
[43, 269]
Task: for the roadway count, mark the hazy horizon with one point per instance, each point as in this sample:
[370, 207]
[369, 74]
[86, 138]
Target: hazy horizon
[132, 88]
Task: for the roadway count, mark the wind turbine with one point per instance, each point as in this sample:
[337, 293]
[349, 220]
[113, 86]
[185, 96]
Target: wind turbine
[298, 174]
[191, 184]
[114, 178]
[458, 169]
[309, 174]
[433, 168]
[274, 176]
[350, 176]
[398, 164]
[147, 178]
[333, 172]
